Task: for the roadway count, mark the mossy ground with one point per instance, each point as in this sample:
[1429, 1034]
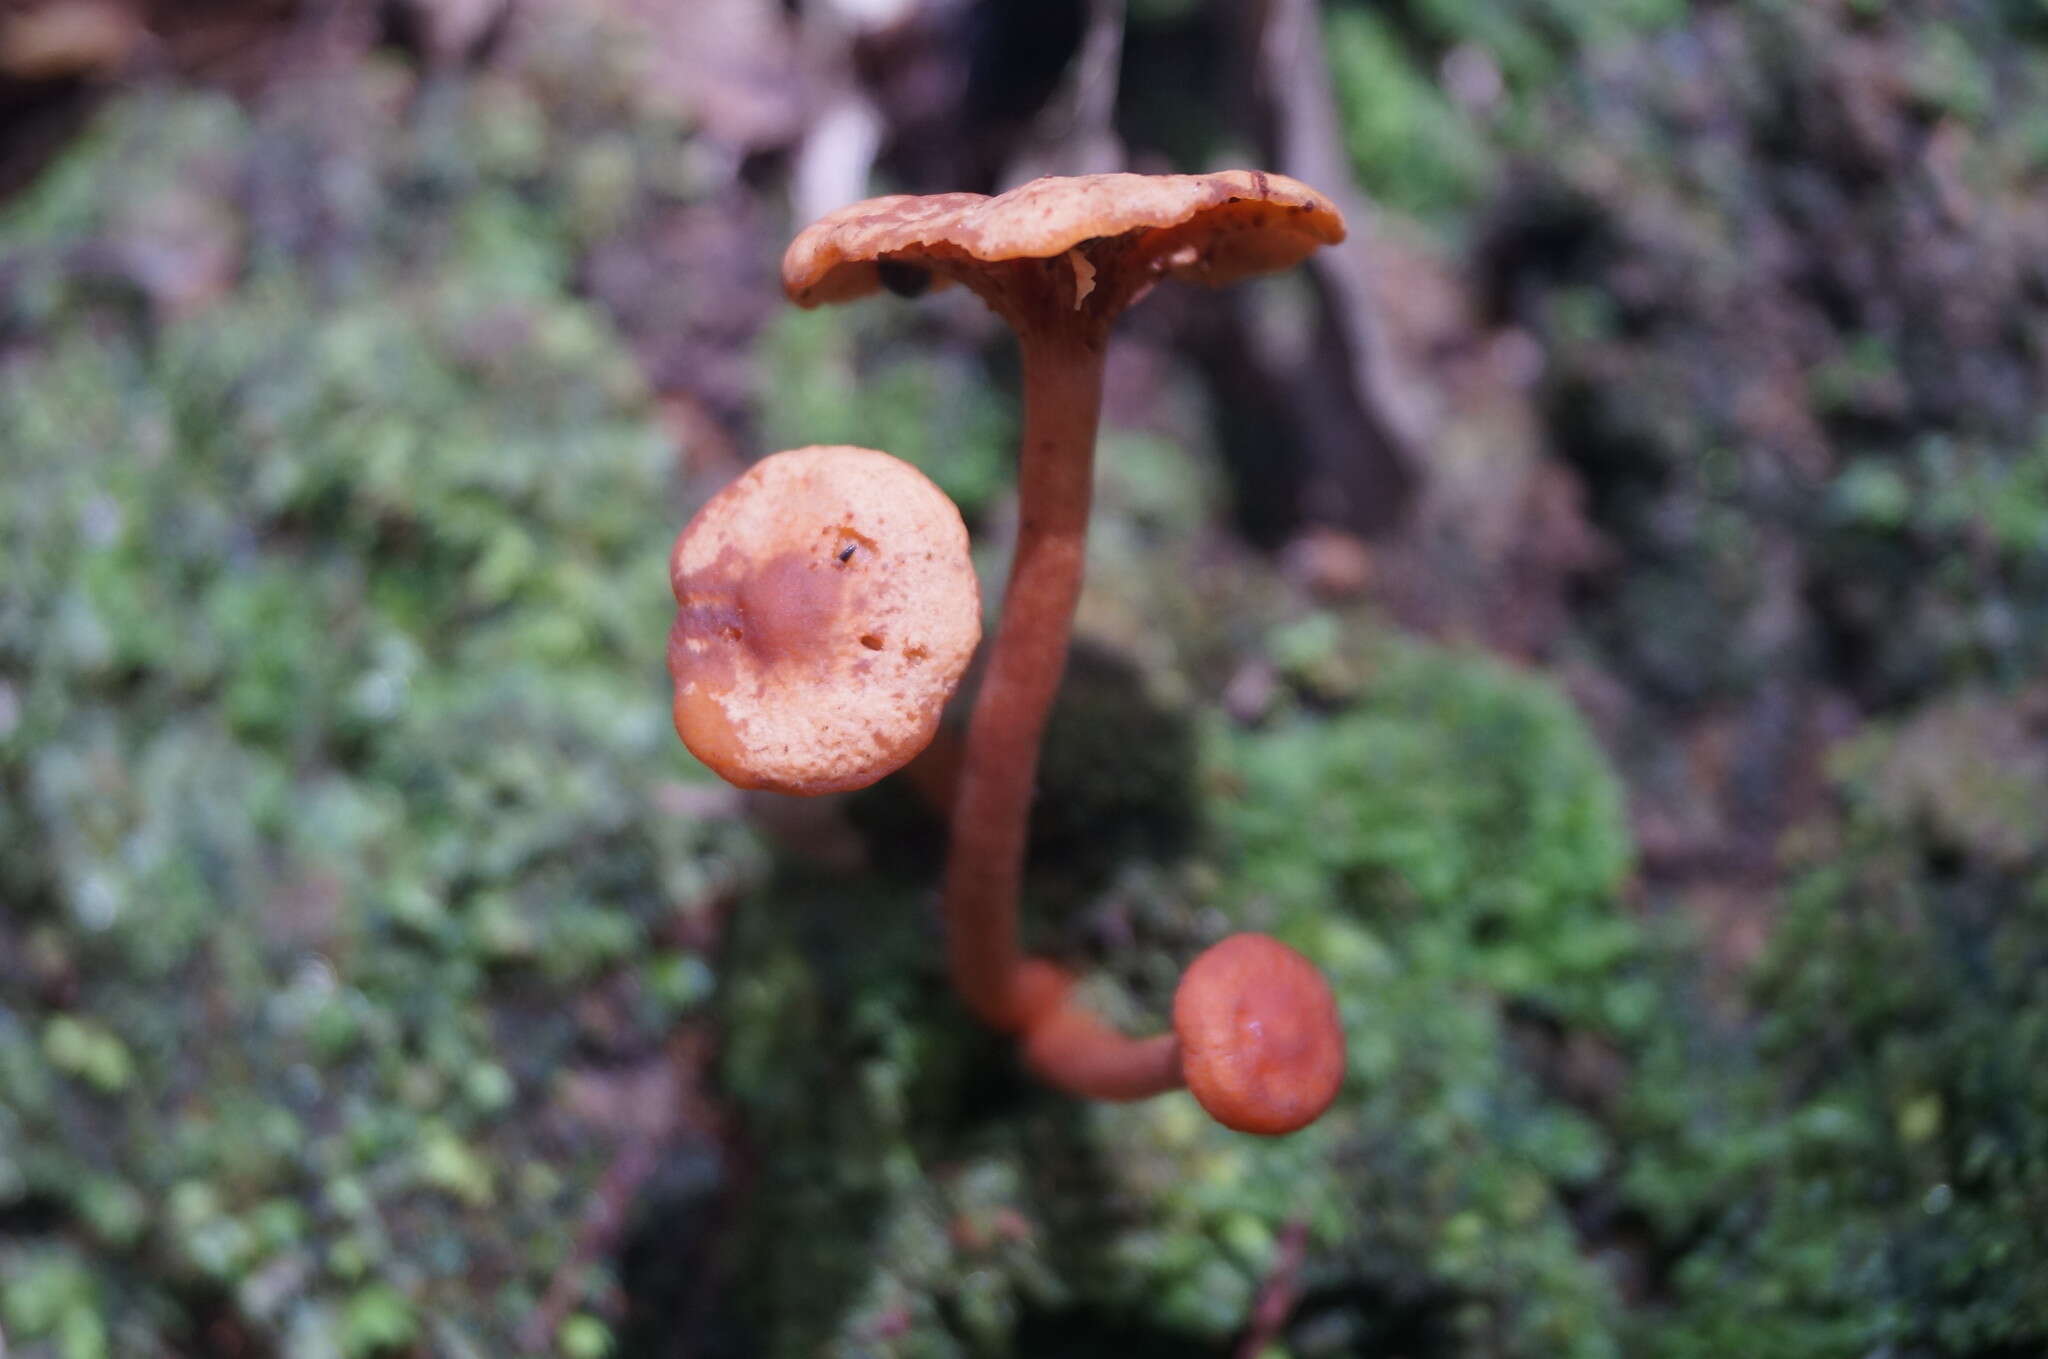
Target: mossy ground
[339, 829]
[354, 893]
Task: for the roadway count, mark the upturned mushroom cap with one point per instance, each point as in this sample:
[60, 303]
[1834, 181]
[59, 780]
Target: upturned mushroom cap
[1261, 1045]
[826, 609]
[1111, 236]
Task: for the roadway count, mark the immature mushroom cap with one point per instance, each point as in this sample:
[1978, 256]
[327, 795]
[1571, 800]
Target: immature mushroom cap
[1111, 237]
[826, 609]
[1261, 1045]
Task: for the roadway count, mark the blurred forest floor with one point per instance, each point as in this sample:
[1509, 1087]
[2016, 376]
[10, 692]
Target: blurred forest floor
[1599, 615]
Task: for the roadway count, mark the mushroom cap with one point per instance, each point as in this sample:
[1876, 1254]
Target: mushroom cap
[1261, 1046]
[1213, 228]
[826, 609]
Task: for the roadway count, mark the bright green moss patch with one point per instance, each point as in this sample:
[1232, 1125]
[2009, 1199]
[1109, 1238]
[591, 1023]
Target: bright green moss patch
[868, 376]
[1447, 845]
[335, 744]
[1410, 145]
[1457, 802]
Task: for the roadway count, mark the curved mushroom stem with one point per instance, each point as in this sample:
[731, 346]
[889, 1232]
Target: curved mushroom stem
[992, 808]
[1071, 1050]
[1284, 1070]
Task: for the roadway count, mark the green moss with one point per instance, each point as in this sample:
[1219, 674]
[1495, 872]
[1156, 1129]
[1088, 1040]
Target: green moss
[1410, 146]
[1445, 845]
[1439, 834]
[1894, 469]
[331, 647]
[867, 376]
[51, 1296]
[1534, 40]
[1947, 74]
[1884, 1192]
[1420, 151]
[1458, 799]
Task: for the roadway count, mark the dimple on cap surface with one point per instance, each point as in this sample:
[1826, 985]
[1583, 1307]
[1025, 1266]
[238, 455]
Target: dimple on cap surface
[826, 610]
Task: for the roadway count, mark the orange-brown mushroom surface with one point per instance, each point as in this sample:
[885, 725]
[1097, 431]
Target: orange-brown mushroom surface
[1059, 260]
[826, 609]
[1098, 239]
[1260, 1044]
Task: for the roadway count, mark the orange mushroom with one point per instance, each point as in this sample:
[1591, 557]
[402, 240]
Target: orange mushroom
[1260, 1043]
[1058, 259]
[826, 608]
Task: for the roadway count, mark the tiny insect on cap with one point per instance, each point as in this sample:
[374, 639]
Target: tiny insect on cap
[826, 610]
